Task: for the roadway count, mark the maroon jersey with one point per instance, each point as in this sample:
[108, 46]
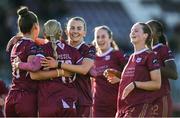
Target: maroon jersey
[105, 93]
[164, 54]
[163, 105]
[58, 93]
[21, 78]
[137, 69]
[83, 82]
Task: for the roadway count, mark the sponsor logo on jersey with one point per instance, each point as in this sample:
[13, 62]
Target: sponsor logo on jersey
[138, 59]
[107, 57]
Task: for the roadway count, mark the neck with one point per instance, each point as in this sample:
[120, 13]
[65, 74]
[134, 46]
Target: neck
[27, 35]
[74, 43]
[103, 51]
[138, 47]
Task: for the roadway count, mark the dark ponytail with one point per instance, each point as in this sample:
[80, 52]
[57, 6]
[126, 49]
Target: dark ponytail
[26, 20]
[158, 30]
[147, 29]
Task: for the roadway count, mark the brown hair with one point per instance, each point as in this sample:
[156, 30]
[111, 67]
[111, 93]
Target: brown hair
[79, 19]
[104, 27]
[147, 29]
[159, 30]
[26, 20]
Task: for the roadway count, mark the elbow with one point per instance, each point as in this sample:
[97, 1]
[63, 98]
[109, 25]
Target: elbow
[175, 77]
[84, 72]
[33, 77]
[158, 86]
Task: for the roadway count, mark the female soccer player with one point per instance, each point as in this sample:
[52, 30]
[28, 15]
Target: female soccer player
[22, 98]
[76, 31]
[163, 105]
[57, 97]
[105, 88]
[140, 77]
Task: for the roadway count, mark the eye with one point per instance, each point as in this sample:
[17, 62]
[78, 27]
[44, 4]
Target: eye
[79, 28]
[72, 28]
[98, 37]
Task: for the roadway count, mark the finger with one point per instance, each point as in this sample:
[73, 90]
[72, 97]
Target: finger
[44, 59]
[44, 65]
[44, 62]
[46, 68]
[49, 58]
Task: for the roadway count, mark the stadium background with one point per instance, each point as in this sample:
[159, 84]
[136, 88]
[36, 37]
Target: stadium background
[119, 15]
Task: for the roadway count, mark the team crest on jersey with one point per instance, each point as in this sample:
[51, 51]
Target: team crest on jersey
[155, 52]
[154, 61]
[61, 45]
[107, 57]
[138, 59]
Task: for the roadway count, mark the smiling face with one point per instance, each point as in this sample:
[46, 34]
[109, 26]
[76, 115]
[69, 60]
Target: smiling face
[137, 34]
[102, 39]
[75, 30]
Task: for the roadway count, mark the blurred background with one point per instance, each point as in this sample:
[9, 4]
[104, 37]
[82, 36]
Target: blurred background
[119, 15]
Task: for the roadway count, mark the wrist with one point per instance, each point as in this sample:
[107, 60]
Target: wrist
[59, 64]
[62, 72]
[135, 85]
[17, 65]
[58, 72]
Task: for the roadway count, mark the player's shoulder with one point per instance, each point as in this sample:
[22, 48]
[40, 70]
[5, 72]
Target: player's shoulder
[116, 52]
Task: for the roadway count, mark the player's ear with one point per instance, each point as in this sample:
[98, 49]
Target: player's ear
[66, 32]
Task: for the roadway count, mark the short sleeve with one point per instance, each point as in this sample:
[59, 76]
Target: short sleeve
[32, 49]
[166, 54]
[152, 62]
[120, 58]
[90, 53]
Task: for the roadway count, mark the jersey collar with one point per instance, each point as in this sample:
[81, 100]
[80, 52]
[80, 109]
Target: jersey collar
[141, 51]
[105, 53]
[157, 45]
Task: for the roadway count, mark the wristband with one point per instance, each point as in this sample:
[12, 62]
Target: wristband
[58, 73]
[62, 71]
[59, 64]
[17, 65]
[134, 83]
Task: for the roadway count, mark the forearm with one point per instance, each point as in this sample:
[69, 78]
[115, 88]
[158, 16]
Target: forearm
[81, 69]
[170, 71]
[32, 65]
[45, 75]
[148, 85]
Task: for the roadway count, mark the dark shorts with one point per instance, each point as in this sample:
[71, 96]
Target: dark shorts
[21, 103]
[162, 107]
[57, 102]
[83, 111]
[104, 111]
[141, 110]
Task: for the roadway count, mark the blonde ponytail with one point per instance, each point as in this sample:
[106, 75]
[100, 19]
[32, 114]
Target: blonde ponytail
[54, 46]
[53, 31]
